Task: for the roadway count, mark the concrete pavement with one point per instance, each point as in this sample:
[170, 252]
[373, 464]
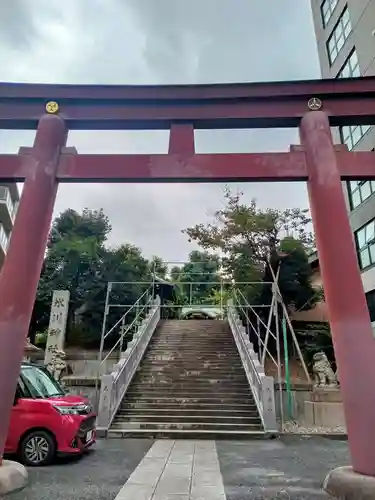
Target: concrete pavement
[289, 468]
[99, 475]
[178, 470]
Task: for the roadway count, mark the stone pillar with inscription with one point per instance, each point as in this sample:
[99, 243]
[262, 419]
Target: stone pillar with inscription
[57, 324]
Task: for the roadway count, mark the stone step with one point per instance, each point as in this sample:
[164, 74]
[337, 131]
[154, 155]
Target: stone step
[166, 425]
[186, 339]
[190, 385]
[156, 364]
[201, 410]
[165, 332]
[186, 418]
[194, 334]
[190, 363]
[209, 329]
[218, 354]
[193, 347]
[200, 377]
[187, 393]
[206, 346]
[220, 326]
[184, 365]
[186, 400]
[189, 341]
[193, 354]
[204, 379]
[195, 331]
[199, 355]
[188, 434]
[195, 376]
[176, 360]
[188, 371]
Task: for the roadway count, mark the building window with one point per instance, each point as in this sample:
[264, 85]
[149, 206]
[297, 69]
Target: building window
[339, 35]
[352, 134]
[326, 9]
[351, 67]
[359, 191]
[370, 298]
[365, 240]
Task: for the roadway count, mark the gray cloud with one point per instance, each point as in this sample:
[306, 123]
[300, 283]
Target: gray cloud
[17, 26]
[168, 41]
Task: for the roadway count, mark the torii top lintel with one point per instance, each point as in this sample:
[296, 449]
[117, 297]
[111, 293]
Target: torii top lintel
[218, 106]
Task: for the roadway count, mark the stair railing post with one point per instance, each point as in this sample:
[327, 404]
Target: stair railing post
[268, 404]
[105, 406]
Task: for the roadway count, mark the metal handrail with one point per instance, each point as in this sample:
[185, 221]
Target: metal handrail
[248, 306]
[262, 386]
[123, 333]
[126, 313]
[4, 239]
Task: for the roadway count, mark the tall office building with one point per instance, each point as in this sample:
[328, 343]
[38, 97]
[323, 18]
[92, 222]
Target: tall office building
[9, 198]
[345, 33]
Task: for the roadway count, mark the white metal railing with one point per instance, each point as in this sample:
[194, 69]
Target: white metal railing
[140, 309]
[4, 240]
[6, 197]
[262, 386]
[114, 385]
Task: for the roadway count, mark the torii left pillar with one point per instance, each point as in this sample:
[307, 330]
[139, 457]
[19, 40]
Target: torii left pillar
[21, 270]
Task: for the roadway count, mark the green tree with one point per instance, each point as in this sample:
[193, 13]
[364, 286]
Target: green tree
[199, 277]
[158, 267]
[78, 260]
[295, 275]
[248, 236]
[90, 224]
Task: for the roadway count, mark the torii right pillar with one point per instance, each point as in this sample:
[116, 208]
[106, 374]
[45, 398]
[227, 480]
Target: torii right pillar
[352, 334]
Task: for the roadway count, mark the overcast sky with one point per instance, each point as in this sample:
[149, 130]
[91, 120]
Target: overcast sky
[159, 42]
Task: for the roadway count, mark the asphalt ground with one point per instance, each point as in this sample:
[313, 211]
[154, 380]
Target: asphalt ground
[285, 468]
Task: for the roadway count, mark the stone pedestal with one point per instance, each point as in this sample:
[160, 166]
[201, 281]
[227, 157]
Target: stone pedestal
[345, 484]
[13, 476]
[325, 408]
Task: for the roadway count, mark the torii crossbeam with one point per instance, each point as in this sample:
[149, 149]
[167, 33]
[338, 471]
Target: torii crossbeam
[313, 106]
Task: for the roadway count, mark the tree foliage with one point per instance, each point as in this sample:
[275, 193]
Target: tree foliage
[198, 278]
[78, 260]
[249, 237]
[294, 277]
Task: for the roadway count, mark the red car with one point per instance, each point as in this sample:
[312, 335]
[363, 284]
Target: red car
[45, 421]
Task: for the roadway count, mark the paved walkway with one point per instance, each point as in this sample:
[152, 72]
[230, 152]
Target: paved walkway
[284, 469]
[178, 470]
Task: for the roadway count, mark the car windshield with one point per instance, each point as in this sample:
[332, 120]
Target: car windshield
[40, 383]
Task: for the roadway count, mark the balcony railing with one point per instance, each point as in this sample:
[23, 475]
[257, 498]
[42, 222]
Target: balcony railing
[4, 240]
[6, 197]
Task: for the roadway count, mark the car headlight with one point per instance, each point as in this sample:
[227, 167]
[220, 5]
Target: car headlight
[67, 410]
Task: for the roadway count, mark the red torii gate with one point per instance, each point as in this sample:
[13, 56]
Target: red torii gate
[311, 105]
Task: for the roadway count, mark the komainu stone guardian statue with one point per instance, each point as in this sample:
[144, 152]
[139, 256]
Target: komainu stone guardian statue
[57, 364]
[323, 373]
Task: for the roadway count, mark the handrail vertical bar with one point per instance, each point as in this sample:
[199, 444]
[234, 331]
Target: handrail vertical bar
[104, 326]
[279, 374]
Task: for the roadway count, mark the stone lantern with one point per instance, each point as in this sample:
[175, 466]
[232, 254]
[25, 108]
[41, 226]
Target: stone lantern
[29, 350]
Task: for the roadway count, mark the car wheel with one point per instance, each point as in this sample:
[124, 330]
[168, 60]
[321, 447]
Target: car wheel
[38, 448]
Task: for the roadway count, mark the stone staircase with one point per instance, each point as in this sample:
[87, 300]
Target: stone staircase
[191, 383]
